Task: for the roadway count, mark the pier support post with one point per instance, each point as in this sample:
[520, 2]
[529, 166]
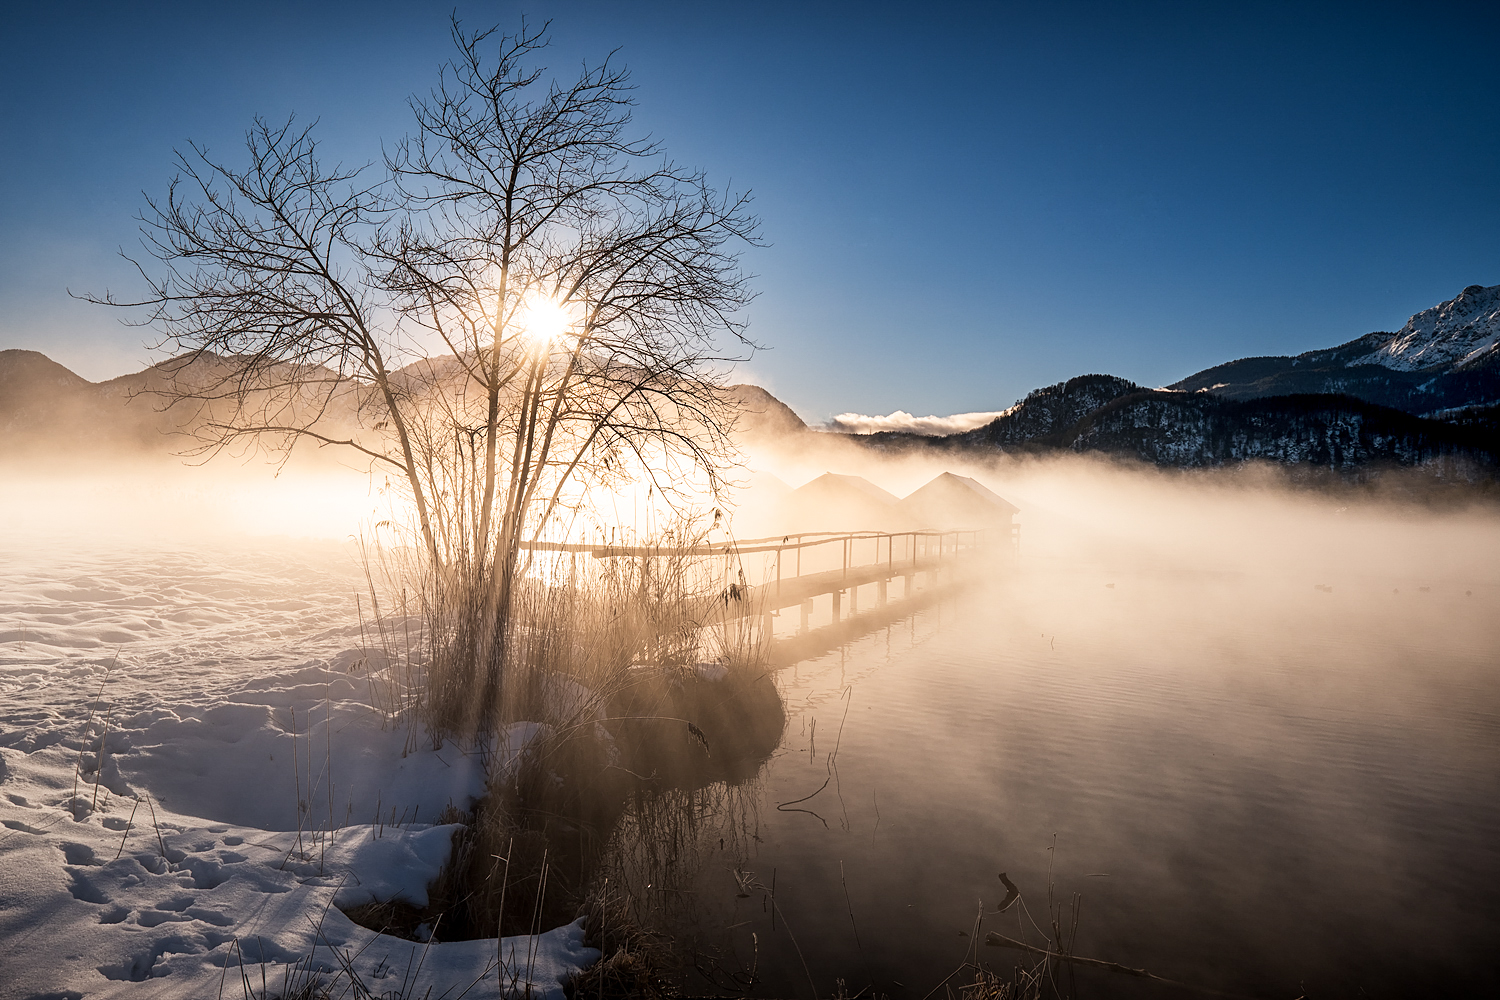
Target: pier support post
[911, 580]
[880, 593]
[838, 599]
[853, 600]
[806, 615]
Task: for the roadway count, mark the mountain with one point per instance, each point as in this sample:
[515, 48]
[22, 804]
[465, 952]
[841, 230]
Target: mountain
[1460, 334]
[762, 415]
[37, 392]
[1428, 393]
[1444, 358]
[1044, 413]
[47, 410]
[1101, 413]
[1190, 430]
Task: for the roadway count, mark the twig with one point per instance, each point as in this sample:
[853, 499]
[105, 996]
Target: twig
[328, 747]
[159, 841]
[850, 906]
[839, 739]
[949, 976]
[127, 828]
[431, 937]
[99, 767]
[536, 921]
[1000, 940]
[225, 970]
[805, 970]
[297, 779]
[99, 694]
[782, 806]
[500, 919]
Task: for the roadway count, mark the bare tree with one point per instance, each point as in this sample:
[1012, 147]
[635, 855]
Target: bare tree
[527, 305]
[271, 308]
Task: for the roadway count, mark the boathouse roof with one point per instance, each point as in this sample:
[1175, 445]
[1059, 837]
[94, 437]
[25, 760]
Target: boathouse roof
[957, 501]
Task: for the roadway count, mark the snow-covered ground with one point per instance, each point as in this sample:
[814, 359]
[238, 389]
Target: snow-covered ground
[193, 779]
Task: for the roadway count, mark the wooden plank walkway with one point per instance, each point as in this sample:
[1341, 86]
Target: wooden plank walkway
[792, 592]
[894, 554]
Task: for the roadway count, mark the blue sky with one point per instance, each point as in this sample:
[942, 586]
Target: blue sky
[963, 201]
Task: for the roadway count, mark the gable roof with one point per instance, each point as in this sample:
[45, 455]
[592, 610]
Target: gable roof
[836, 483]
[948, 488]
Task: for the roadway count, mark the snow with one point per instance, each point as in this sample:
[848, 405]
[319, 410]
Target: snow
[381, 868]
[235, 761]
[194, 777]
[711, 672]
[1452, 333]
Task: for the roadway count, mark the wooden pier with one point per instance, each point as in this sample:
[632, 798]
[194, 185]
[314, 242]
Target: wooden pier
[900, 556]
[763, 577]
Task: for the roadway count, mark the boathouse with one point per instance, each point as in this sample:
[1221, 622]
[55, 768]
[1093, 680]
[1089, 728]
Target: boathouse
[833, 502]
[952, 502]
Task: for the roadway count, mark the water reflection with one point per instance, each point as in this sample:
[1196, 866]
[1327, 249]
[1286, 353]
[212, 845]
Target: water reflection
[1252, 785]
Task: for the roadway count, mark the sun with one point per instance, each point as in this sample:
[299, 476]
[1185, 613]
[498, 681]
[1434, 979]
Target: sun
[543, 319]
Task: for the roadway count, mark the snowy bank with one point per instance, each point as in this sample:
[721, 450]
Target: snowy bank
[198, 805]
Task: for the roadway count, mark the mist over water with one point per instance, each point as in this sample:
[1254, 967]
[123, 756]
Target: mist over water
[1254, 786]
[1254, 726]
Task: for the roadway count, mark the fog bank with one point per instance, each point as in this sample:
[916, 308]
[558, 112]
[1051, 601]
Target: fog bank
[1114, 516]
[903, 422]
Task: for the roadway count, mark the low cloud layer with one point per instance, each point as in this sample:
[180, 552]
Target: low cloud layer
[900, 420]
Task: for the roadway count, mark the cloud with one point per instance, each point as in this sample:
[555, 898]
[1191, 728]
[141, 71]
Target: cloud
[859, 423]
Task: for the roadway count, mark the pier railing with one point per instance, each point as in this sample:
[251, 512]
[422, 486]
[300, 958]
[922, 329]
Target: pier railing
[797, 570]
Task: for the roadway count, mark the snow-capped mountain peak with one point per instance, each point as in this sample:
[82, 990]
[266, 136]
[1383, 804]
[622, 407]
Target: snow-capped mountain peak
[1454, 334]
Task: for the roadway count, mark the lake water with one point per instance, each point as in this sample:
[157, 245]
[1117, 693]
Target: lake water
[1260, 784]
[1264, 783]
